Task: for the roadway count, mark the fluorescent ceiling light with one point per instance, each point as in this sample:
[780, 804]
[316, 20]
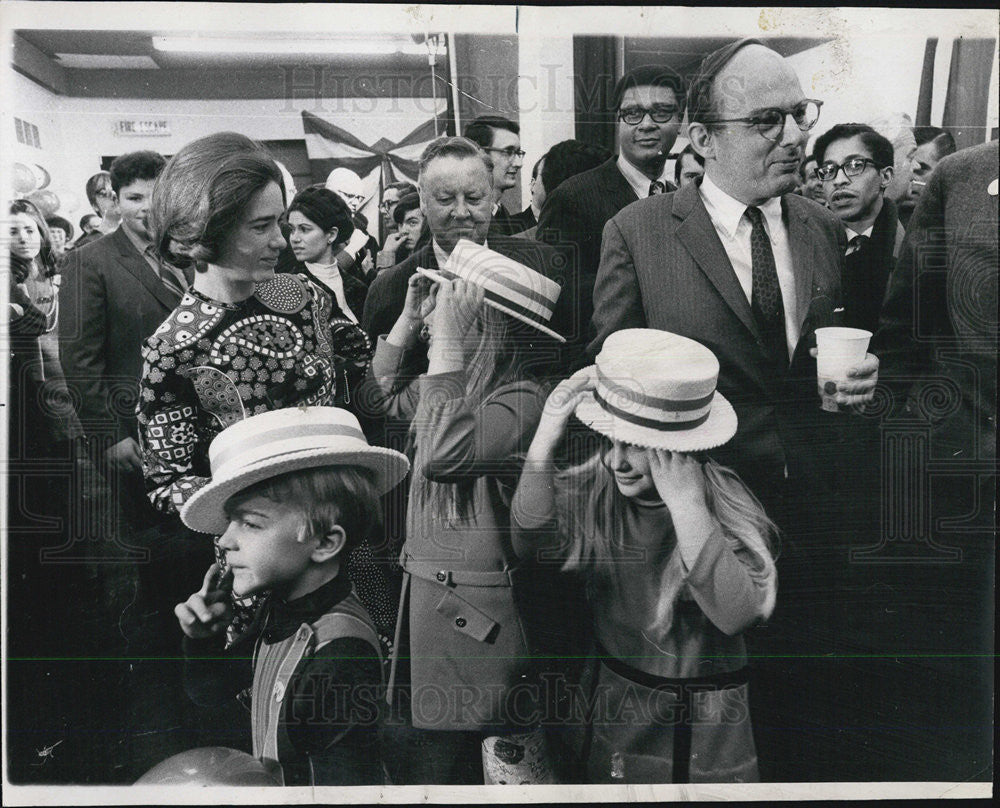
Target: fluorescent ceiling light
[342, 46]
[106, 61]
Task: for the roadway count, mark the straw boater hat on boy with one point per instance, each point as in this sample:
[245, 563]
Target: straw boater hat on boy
[657, 390]
[276, 442]
[509, 286]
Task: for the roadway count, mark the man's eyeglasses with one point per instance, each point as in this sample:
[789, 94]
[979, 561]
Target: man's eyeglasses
[661, 113]
[387, 205]
[852, 168]
[510, 152]
[770, 122]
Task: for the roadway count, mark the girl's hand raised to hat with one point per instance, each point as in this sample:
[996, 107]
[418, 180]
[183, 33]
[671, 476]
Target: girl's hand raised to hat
[680, 481]
[209, 610]
[559, 406]
[419, 301]
[457, 304]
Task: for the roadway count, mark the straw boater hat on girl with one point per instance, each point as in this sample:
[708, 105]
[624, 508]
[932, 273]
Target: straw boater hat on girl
[266, 445]
[657, 390]
[509, 286]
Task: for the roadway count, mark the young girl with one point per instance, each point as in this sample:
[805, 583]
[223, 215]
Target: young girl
[675, 553]
[473, 412]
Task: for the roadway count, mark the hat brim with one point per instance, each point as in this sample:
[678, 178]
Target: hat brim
[205, 511]
[437, 276]
[715, 431]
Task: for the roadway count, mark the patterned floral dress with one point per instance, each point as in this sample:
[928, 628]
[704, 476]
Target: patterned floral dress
[212, 364]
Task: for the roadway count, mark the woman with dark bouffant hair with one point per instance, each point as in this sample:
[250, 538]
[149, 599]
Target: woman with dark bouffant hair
[243, 340]
[34, 321]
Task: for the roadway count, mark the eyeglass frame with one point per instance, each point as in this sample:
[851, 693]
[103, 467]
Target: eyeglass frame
[843, 166]
[648, 111]
[510, 152]
[757, 122]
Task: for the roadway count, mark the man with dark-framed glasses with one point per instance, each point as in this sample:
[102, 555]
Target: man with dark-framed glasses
[744, 265]
[648, 106]
[855, 166]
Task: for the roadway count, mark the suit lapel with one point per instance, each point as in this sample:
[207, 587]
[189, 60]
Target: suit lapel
[697, 233]
[619, 192]
[132, 261]
[802, 243]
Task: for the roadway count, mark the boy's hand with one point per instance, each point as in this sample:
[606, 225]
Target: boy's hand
[209, 610]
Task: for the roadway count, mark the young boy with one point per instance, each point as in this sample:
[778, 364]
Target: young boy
[292, 492]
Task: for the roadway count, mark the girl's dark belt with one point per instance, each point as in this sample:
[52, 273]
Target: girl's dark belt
[684, 690]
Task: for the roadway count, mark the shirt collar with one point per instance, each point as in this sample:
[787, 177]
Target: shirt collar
[141, 244]
[285, 617]
[322, 267]
[727, 212]
[852, 233]
[639, 181]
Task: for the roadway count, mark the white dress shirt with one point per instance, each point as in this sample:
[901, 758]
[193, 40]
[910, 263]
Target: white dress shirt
[852, 248]
[330, 275]
[734, 228]
[639, 181]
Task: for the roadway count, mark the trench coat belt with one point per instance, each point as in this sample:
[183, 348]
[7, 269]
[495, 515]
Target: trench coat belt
[431, 571]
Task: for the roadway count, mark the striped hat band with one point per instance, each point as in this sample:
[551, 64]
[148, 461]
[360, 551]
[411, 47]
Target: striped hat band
[505, 281]
[654, 412]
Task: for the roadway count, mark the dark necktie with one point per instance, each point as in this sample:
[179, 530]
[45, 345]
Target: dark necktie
[765, 298]
[170, 276]
[656, 187]
[856, 244]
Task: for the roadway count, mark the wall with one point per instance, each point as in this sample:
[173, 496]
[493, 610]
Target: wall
[89, 126]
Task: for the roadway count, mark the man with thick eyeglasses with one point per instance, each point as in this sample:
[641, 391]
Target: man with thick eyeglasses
[855, 167]
[500, 138]
[648, 105]
[749, 268]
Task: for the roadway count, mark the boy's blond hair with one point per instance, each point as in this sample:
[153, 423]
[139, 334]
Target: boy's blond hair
[325, 496]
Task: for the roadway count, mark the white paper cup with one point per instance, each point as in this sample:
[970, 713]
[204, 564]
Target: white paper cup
[838, 350]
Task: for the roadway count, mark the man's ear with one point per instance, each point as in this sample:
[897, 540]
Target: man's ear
[701, 139]
[886, 177]
[329, 544]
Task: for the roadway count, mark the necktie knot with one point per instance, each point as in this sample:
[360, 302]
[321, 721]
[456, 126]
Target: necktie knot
[856, 243]
[656, 187]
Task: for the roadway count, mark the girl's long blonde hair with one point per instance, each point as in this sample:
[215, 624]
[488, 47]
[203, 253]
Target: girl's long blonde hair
[591, 515]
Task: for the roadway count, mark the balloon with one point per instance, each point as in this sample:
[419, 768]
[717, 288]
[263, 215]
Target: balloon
[46, 201]
[44, 178]
[209, 766]
[24, 179]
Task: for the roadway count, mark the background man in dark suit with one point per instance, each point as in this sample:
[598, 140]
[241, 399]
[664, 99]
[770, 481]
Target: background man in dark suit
[690, 167]
[938, 342]
[500, 138]
[749, 268]
[649, 104]
[115, 294]
[855, 165]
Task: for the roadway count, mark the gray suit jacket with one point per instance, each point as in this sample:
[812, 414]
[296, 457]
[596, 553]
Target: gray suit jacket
[111, 300]
[664, 266]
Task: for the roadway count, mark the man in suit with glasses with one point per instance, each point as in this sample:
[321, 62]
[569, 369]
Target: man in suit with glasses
[648, 107]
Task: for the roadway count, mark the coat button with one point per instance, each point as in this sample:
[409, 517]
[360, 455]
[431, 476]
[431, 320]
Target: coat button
[460, 622]
[442, 576]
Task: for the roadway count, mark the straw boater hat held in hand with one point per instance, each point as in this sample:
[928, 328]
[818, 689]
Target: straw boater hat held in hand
[273, 443]
[657, 390]
[509, 286]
